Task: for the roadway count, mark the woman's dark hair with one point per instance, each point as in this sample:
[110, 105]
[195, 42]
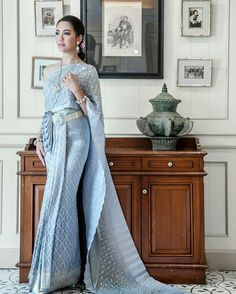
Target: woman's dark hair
[78, 28]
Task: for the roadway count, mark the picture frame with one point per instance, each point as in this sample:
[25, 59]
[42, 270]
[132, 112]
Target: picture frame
[194, 72]
[38, 65]
[47, 13]
[131, 34]
[196, 18]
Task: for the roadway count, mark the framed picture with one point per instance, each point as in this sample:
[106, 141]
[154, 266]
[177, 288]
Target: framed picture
[130, 36]
[194, 72]
[47, 13]
[38, 66]
[196, 17]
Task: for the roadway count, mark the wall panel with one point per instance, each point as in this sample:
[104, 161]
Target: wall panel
[1, 59]
[220, 201]
[1, 194]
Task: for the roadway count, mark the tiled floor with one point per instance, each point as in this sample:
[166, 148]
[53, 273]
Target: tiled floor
[216, 282]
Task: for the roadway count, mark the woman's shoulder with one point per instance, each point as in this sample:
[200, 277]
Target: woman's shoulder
[86, 65]
[50, 68]
[87, 69]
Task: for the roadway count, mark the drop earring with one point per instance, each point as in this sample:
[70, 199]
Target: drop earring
[77, 48]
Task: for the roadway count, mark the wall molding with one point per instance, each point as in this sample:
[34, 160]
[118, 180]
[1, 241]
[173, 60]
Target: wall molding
[221, 147]
[228, 63]
[226, 197]
[12, 146]
[221, 260]
[208, 146]
[1, 195]
[218, 260]
[9, 257]
[18, 57]
[1, 59]
[17, 134]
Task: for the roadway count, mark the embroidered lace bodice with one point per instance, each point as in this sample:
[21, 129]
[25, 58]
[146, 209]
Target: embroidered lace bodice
[64, 98]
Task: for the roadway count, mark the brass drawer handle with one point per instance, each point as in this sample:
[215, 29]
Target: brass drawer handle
[170, 164]
[144, 191]
[111, 163]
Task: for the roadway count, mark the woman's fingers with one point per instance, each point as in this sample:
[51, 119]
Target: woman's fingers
[40, 152]
[68, 77]
[42, 149]
[41, 157]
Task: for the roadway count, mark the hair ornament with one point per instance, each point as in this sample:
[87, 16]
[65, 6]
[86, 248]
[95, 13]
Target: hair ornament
[82, 44]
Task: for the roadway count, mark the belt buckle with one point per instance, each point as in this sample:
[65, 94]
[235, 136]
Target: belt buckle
[58, 118]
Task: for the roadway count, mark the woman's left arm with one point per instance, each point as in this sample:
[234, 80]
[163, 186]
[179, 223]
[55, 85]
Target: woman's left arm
[81, 99]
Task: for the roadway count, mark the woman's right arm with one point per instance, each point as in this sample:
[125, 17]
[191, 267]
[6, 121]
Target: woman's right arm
[39, 144]
[39, 147]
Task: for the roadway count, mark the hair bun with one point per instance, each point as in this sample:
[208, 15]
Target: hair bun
[81, 55]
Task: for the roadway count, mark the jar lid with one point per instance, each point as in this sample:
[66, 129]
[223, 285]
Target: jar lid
[164, 96]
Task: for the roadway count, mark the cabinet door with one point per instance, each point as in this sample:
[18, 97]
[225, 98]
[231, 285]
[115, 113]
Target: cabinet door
[172, 227]
[128, 190]
[30, 206]
[34, 196]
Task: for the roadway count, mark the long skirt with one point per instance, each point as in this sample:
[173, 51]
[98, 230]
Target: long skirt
[56, 260]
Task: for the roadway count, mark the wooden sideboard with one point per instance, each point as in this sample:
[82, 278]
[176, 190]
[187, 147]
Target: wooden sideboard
[162, 197]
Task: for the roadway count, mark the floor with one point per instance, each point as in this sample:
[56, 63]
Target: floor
[216, 282]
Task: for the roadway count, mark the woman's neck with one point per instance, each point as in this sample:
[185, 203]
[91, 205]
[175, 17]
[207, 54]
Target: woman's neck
[70, 59]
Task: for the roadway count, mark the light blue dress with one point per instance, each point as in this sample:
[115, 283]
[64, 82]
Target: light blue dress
[113, 265]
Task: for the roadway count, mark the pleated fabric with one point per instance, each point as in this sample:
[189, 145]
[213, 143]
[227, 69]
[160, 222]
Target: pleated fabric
[113, 264]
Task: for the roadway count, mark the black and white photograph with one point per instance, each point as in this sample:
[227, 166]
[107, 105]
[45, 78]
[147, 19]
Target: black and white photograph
[48, 17]
[194, 72]
[195, 18]
[38, 66]
[122, 28]
[47, 13]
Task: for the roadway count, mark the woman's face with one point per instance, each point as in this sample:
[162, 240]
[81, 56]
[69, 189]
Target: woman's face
[66, 38]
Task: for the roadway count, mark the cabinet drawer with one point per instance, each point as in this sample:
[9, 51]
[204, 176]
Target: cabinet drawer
[33, 164]
[168, 164]
[124, 163]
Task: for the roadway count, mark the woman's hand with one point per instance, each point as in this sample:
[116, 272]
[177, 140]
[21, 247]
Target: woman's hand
[40, 151]
[72, 84]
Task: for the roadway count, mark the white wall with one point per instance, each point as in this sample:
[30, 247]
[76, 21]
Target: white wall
[213, 110]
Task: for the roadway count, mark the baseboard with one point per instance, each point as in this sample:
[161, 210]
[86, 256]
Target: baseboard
[221, 260]
[9, 257]
[218, 260]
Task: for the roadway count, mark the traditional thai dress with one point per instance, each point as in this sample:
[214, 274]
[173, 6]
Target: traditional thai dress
[73, 147]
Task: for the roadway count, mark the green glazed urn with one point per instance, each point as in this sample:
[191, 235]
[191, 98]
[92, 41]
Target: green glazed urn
[164, 125]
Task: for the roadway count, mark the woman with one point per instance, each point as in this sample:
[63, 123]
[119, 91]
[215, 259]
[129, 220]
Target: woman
[71, 144]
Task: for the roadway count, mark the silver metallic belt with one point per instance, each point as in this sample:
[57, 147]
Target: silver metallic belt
[60, 118]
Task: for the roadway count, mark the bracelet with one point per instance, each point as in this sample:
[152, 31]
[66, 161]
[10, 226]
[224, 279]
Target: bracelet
[82, 100]
[38, 140]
